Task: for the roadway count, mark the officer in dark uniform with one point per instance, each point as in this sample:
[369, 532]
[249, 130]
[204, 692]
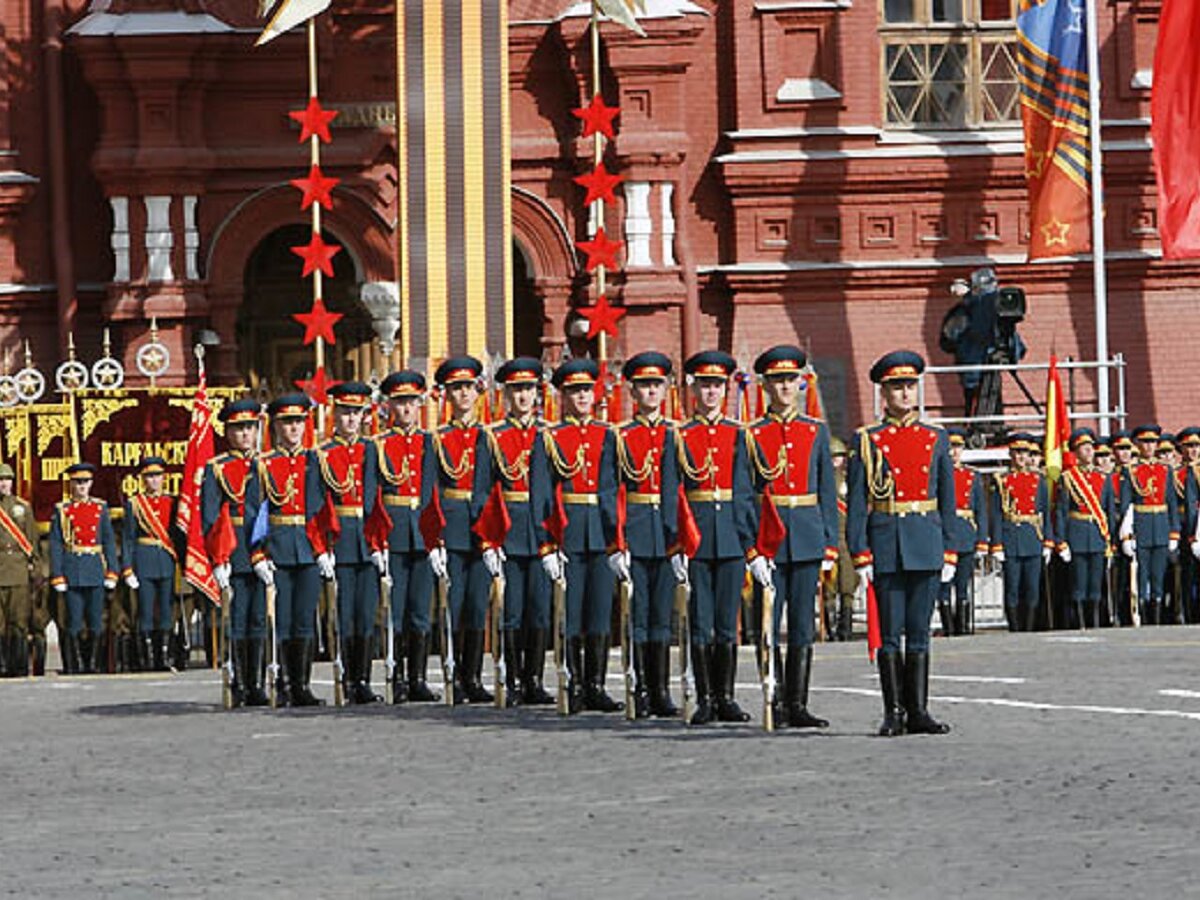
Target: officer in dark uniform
[716, 475]
[580, 456]
[402, 452]
[1149, 516]
[83, 565]
[508, 460]
[1123, 451]
[289, 482]
[1189, 465]
[651, 559]
[223, 494]
[1085, 509]
[1022, 534]
[969, 537]
[793, 471]
[20, 563]
[349, 475]
[151, 559]
[902, 511]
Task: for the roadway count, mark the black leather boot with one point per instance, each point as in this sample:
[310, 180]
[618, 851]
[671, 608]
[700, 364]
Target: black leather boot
[237, 688]
[596, 696]
[701, 671]
[1012, 615]
[418, 661]
[661, 705]
[845, 629]
[301, 695]
[512, 668]
[366, 657]
[799, 670]
[577, 673]
[99, 663]
[145, 653]
[255, 657]
[889, 686]
[962, 616]
[18, 657]
[159, 647]
[399, 682]
[349, 669]
[6, 667]
[947, 619]
[72, 654]
[641, 687]
[916, 695]
[475, 692]
[87, 665]
[1031, 613]
[39, 656]
[533, 691]
[725, 658]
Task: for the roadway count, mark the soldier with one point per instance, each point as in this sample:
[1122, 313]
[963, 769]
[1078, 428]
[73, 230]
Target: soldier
[1106, 465]
[289, 482]
[1189, 449]
[1122, 451]
[716, 474]
[401, 453]
[454, 472]
[1175, 610]
[968, 539]
[580, 458]
[1021, 532]
[900, 530]
[1085, 509]
[1149, 517]
[793, 471]
[83, 566]
[838, 586]
[19, 565]
[651, 560]
[508, 459]
[151, 558]
[223, 520]
[349, 474]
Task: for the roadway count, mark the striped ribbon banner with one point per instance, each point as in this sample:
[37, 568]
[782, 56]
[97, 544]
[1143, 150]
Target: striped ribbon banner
[455, 233]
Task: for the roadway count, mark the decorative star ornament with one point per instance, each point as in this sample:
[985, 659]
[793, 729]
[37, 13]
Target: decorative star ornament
[318, 323]
[599, 184]
[602, 317]
[318, 386]
[317, 255]
[600, 251]
[316, 188]
[314, 119]
[597, 117]
[1055, 232]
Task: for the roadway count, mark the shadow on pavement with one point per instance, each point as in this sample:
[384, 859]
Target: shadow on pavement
[152, 708]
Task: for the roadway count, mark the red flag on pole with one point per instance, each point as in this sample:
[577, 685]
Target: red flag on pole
[1175, 128]
[378, 525]
[197, 568]
[689, 531]
[1058, 428]
[221, 540]
[432, 522]
[494, 522]
[556, 523]
[771, 530]
[812, 396]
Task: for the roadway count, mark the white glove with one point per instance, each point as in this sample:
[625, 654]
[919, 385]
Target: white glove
[110, 583]
[865, 573]
[1196, 548]
[265, 570]
[1065, 554]
[1046, 555]
[760, 570]
[998, 557]
[380, 559]
[326, 565]
[1172, 545]
[221, 573]
[619, 563]
[132, 581]
[552, 566]
[493, 561]
[1128, 547]
[948, 572]
[679, 565]
[827, 565]
[437, 562]
[61, 588]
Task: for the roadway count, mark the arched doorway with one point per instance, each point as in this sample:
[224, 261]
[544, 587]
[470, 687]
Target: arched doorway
[271, 352]
[528, 310]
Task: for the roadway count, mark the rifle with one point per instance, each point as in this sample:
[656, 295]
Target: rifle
[687, 685]
[500, 673]
[273, 651]
[559, 600]
[335, 646]
[389, 639]
[625, 595]
[1135, 614]
[225, 650]
[444, 616]
[767, 642]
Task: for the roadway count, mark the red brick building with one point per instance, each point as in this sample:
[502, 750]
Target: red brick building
[814, 171]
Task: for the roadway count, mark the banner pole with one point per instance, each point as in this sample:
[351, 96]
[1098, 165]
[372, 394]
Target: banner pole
[1099, 263]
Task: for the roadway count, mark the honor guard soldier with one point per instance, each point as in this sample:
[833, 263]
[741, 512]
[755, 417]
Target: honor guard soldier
[349, 479]
[19, 565]
[402, 452]
[151, 558]
[716, 475]
[793, 471]
[651, 560]
[1021, 532]
[1176, 610]
[83, 565]
[1149, 517]
[508, 460]
[223, 505]
[969, 538]
[285, 558]
[839, 585]
[1085, 510]
[1121, 445]
[1189, 465]
[580, 456]
[902, 510]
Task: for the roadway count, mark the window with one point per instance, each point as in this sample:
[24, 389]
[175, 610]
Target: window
[949, 63]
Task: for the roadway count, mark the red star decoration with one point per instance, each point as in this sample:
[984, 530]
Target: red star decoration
[317, 255]
[318, 323]
[599, 184]
[602, 317]
[600, 251]
[317, 387]
[314, 119]
[597, 117]
[316, 188]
